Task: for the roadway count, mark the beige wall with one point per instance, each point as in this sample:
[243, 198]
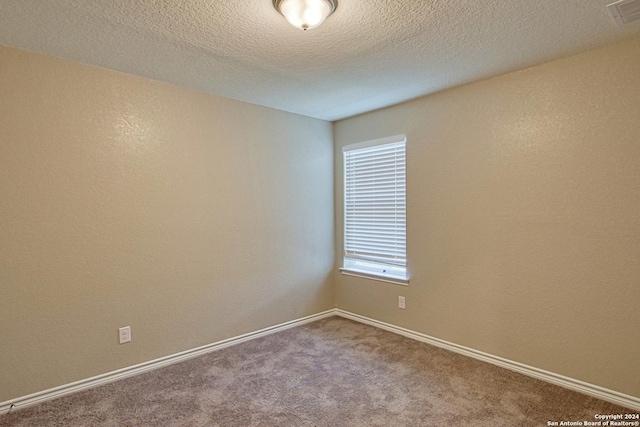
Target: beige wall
[523, 216]
[124, 201]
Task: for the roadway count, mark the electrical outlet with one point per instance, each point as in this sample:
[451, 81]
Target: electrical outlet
[401, 303]
[125, 334]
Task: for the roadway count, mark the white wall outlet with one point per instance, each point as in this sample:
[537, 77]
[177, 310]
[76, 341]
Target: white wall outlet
[401, 303]
[125, 334]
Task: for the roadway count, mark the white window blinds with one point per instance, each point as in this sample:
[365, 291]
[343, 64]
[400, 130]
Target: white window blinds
[375, 207]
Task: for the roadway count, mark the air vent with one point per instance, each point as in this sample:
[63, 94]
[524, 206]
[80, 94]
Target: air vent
[625, 11]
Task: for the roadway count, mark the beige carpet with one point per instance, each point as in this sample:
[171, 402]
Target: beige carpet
[333, 372]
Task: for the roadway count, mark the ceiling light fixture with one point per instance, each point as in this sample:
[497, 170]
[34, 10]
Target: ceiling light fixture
[305, 14]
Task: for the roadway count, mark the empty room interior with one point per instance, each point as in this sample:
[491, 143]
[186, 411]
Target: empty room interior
[320, 212]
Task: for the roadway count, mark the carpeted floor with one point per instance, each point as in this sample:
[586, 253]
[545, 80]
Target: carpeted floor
[333, 372]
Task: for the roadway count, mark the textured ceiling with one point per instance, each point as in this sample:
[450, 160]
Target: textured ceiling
[369, 54]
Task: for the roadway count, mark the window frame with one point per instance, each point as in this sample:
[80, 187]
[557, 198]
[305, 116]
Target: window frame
[399, 274]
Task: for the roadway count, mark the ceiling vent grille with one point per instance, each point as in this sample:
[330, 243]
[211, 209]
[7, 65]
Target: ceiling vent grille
[625, 11]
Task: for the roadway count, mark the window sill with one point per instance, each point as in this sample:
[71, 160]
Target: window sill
[373, 276]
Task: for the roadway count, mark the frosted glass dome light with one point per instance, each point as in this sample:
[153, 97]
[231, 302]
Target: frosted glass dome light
[305, 14]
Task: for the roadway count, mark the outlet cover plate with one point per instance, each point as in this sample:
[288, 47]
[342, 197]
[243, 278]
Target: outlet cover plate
[125, 334]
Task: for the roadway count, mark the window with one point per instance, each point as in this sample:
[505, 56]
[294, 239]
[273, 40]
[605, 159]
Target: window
[375, 210]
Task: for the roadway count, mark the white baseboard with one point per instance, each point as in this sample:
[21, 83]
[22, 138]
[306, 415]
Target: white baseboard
[60, 391]
[566, 382]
